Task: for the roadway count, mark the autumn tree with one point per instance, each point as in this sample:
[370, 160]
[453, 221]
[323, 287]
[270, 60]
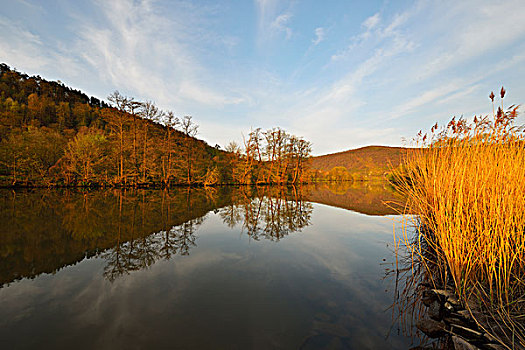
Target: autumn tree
[30, 154]
[171, 122]
[149, 112]
[300, 151]
[132, 107]
[117, 121]
[86, 154]
[275, 151]
[189, 129]
[234, 161]
[63, 115]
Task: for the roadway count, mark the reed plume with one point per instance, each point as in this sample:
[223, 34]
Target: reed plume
[466, 182]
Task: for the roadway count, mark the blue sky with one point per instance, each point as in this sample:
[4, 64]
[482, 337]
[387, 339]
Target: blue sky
[342, 74]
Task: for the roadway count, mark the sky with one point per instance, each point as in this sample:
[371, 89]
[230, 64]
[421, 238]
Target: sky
[341, 74]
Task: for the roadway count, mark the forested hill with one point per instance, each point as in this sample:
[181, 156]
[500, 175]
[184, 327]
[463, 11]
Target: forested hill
[358, 164]
[52, 135]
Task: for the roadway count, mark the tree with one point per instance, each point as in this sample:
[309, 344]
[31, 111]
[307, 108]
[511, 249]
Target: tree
[171, 122]
[86, 154]
[275, 151]
[131, 107]
[118, 123]
[300, 151]
[189, 129]
[63, 115]
[149, 112]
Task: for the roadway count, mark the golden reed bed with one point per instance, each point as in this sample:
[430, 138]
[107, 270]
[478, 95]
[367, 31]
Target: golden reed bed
[466, 182]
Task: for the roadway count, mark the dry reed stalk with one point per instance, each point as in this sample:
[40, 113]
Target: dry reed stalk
[467, 185]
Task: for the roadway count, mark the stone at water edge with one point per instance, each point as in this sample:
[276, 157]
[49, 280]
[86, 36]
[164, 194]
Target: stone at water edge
[431, 328]
[435, 310]
[466, 332]
[462, 344]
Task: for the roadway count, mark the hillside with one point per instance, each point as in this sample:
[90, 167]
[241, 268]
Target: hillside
[53, 135]
[358, 164]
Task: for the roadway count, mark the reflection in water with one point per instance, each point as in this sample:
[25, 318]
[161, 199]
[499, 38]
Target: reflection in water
[44, 230]
[370, 198]
[272, 214]
[140, 253]
[131, 230]
[194, 268]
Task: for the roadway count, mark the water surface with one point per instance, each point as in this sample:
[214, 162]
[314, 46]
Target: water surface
[237, 268]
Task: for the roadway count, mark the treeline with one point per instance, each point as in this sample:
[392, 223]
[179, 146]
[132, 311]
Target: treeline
[52, 135]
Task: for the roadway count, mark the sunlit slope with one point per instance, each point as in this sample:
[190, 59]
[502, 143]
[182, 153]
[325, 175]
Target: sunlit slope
[361, 163]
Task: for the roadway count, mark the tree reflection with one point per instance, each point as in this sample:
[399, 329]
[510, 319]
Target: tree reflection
[272, 214]
[44, 230]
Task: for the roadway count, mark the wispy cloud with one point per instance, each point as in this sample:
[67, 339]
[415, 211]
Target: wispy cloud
[488, 26]
[319, 35]
[373, 79]
[274, 18]
[142, 51]
[280, 24]
[23, 48]
[372, 21]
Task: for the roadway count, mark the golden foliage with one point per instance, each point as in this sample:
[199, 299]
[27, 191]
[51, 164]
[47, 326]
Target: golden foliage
[467, 185]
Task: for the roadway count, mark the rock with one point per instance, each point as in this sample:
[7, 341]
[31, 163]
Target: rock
[431, 328]
[443, 292]
[462, 344]
[464, 313]
[453, 301]
[428, 298]
[435, 310]
[449, 306]
[452, 319]
[466, 332]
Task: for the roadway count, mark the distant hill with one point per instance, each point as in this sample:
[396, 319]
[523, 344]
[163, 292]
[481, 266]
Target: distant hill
[358, 164]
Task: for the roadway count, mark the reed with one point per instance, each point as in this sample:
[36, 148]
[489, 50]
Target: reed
[466, 182]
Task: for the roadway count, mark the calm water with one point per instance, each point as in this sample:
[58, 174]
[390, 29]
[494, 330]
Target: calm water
[225, 268]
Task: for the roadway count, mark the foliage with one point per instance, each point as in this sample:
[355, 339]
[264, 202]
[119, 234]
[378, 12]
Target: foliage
[271, 157]
[53, 135]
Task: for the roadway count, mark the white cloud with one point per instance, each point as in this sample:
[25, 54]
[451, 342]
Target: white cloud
[23, 47]
[273, 18]
[426, 98]
[376, 31]
[319, 35]
[487, 27]
[280, 24]
[142, 51]
[372, 21]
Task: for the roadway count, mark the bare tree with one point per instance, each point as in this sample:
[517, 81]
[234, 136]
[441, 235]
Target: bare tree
[117, 122]
[189, 128]
[132, 108]
[148, 112]
[171, 122]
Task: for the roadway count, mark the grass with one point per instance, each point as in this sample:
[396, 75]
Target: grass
[466, 182]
